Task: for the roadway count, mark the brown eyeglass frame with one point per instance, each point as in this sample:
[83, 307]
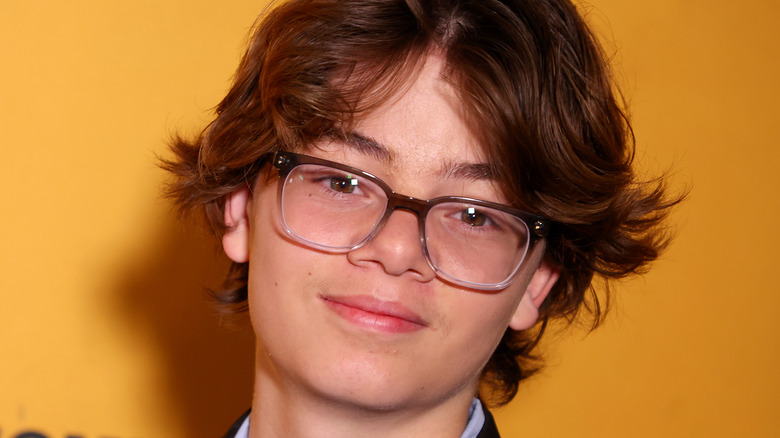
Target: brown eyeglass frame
[539, 227]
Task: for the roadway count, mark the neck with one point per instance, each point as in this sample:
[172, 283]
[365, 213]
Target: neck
[284, 408]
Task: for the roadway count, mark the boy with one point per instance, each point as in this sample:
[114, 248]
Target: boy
[409, 191]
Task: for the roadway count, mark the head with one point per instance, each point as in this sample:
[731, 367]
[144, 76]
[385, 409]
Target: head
[533, 99]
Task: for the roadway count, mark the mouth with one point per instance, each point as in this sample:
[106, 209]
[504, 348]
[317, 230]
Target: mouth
[371, 313]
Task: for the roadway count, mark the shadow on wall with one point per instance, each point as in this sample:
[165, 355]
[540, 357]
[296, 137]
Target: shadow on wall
[207, 358]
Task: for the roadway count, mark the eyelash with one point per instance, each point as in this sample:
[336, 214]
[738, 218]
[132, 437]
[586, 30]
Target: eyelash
[491, 223]
[325, 184]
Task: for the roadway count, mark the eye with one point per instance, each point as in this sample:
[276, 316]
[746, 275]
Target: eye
[473, 217]
[343, 184]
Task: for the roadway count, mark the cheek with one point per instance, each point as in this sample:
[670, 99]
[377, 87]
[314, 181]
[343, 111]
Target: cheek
[268, 252]
[493, 319]
[281, 302]
[481, 321]
[488, 315]
[283, 276]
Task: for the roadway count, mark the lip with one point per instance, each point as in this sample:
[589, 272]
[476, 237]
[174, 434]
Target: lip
[371, 313]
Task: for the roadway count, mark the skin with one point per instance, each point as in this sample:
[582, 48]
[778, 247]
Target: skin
[331, 362]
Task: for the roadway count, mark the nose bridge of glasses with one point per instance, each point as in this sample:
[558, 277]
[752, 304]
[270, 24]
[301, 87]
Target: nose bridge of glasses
[401, 202]
[418, 207]
[415, 206]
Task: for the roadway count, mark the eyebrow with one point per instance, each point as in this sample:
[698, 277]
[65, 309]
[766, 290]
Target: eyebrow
[456, 170]
[471, 171]
[368, 146]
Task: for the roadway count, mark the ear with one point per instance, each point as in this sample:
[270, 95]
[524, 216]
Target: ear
[235, 241]
[527, 312]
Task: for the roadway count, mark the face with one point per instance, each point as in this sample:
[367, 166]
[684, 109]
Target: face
[375, 327]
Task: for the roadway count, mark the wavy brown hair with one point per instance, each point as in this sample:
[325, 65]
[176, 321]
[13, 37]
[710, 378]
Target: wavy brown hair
[537, 93]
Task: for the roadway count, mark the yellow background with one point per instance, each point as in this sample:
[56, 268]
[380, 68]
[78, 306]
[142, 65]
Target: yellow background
[104, 329]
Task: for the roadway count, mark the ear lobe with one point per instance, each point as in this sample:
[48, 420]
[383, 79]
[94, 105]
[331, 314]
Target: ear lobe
[235, 241]
[527, 312]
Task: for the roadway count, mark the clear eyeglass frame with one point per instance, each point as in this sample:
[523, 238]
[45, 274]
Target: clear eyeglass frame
[538, 227]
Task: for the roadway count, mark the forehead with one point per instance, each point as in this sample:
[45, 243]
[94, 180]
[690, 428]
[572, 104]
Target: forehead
[365, 145]
[423, 120]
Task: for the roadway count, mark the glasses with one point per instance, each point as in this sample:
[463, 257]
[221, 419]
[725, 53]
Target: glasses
[468, 242]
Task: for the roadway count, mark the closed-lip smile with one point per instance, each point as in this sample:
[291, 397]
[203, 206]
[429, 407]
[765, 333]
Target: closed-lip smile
[372, 313]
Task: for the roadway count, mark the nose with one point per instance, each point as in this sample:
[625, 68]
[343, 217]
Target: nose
[397, 248]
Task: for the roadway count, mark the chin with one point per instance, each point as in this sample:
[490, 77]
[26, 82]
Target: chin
[376, 387]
